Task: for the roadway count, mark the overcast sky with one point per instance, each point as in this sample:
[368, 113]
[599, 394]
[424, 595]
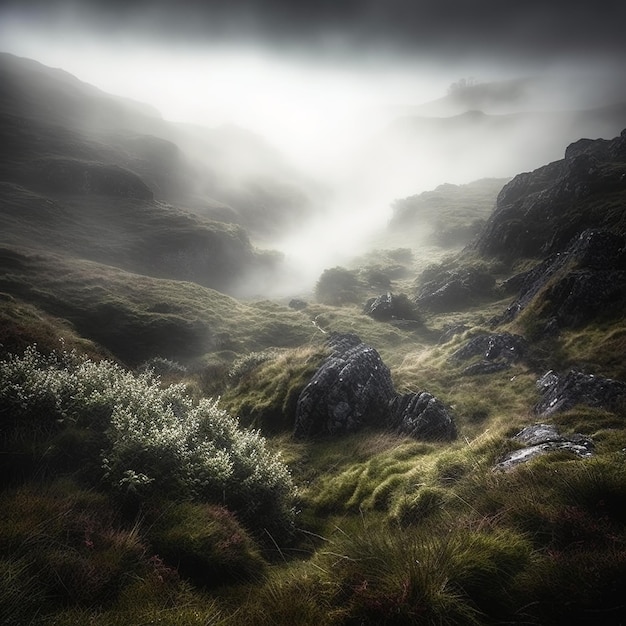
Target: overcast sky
[533, 28]
[303, 71]
[351, 34]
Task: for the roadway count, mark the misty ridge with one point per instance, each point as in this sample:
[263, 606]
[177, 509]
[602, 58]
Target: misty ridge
[309, 210]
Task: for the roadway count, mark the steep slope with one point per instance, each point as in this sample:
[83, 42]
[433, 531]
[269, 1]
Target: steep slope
[552, 259]
[90, 175]
[539, 212]
[47, 115]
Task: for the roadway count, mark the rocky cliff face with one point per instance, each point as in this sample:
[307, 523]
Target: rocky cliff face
[538, 213]
[572, 288]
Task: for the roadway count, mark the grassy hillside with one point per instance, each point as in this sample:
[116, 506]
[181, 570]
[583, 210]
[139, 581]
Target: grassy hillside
[137, 317]
[450, 215]
[136, 234]
[148, 468]
[370, 506]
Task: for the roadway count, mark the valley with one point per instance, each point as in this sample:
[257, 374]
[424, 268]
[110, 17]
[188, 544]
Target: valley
[429, 432]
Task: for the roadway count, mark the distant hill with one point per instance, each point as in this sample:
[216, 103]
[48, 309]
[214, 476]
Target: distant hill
[469, 95]
[449, 215]
[47, 114]
[133, 316]
[110, 231]
[474, 144]
[489, 130]
[548, 92]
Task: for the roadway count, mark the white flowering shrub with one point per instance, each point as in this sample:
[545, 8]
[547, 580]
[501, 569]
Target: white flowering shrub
[156, 440]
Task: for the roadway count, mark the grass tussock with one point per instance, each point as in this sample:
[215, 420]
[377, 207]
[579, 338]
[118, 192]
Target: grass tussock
[204, 543]
[597, 349]
[265, 386]
[67, 545]
[405, 577]
[405, 479]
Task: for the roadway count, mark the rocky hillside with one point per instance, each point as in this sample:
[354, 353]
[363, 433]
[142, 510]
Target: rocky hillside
[553, 252]
[538, 213]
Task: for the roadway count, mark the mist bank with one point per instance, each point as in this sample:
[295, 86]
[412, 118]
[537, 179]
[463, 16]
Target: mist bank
[318, 188]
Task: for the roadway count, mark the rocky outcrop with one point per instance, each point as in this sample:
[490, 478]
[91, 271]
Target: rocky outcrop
[563, 392]
[422, 416]
[539, 212]
[586, 280]
[388, 307]
[453, 290]
[541, 439]
[495, 352]
[352, 389]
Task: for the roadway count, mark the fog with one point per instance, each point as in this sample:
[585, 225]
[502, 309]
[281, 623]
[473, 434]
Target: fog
[359, 100]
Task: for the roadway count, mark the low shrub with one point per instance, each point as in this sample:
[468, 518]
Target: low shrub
[337, 286]
[153, 439]
[163, 367]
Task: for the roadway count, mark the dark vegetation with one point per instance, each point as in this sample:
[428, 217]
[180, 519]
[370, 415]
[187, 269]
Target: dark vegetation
[149, 468]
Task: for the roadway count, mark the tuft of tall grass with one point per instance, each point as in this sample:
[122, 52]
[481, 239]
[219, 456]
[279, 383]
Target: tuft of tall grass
[292, 594]
[265, 386]
[66, 545]
[21, 594]
[395, 576]
[580, 585]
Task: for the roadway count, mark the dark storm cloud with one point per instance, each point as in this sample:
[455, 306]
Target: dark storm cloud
[453, 27]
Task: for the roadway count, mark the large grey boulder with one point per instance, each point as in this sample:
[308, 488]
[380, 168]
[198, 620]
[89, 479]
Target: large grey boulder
[423, 416]
[351, 389]
[388, 307]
